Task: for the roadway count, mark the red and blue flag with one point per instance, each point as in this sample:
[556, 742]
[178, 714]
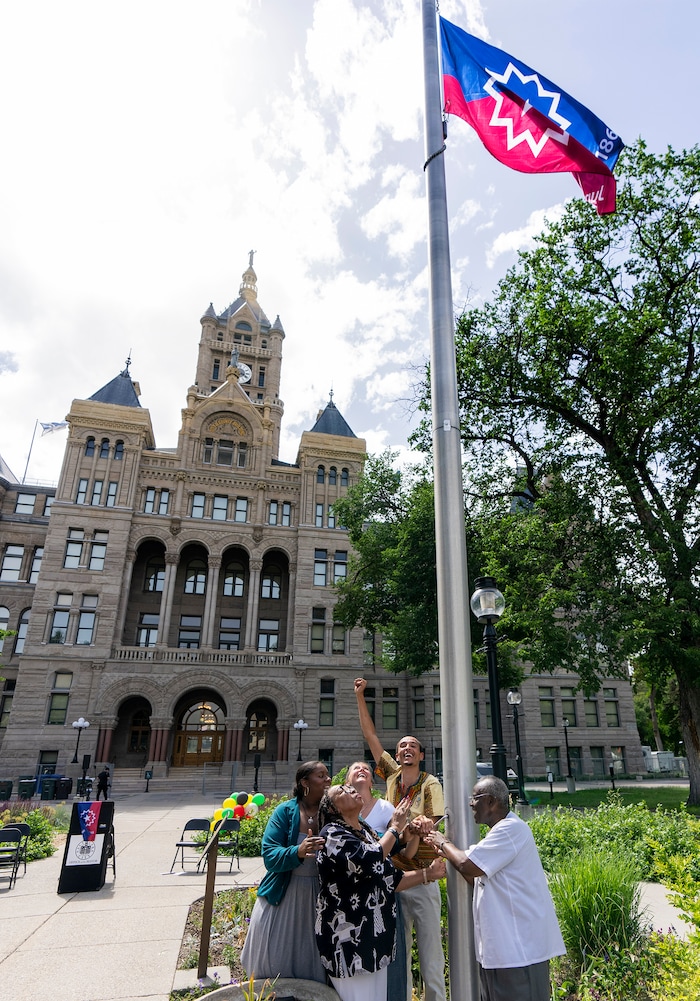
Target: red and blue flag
[89, 816]
[525, 120]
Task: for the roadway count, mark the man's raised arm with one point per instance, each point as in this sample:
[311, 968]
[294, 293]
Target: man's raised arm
[366, 724]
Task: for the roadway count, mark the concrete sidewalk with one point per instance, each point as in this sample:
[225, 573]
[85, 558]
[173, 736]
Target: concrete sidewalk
[121, 943]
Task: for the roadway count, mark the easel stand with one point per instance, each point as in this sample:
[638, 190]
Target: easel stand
[85, 861]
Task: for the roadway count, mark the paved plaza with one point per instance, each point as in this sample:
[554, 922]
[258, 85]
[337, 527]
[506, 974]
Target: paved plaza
[121, 943]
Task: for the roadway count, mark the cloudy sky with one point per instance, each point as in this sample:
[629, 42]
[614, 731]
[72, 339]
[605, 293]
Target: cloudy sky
[149, 145]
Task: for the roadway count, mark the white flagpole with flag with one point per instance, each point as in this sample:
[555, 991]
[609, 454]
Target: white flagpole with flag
[454, 634]
[46, 428]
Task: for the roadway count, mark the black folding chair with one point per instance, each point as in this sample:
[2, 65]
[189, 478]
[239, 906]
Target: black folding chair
[185, 842]
[228, 839]
[10, 851]
[25, 830]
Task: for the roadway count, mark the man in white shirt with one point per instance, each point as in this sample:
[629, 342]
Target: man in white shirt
[516, 931]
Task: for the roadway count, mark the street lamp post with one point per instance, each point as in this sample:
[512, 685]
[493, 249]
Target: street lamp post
[570, 783]
[487, 604]
[79, 725]
[514, 700]
[300, 726]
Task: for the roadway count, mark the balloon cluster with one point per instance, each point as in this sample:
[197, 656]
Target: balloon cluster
[239, 805]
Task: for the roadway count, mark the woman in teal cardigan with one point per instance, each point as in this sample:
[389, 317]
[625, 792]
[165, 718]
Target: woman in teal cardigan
[280, 940]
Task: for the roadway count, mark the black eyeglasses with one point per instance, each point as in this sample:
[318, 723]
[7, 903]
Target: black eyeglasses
[482, 795]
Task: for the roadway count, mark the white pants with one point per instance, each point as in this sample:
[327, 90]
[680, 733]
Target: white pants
[361, 987]
[420, 907]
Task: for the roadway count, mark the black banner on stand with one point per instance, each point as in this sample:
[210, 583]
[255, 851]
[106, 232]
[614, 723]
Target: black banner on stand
[89, 845]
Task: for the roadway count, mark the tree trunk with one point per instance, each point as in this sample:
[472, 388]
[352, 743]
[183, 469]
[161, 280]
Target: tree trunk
[655, 719]
[689, 697]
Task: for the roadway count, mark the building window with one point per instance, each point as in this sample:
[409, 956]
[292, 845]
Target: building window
[241, 514]
[612, 709]
[155, 575]
[60, 618]
[234, 580]
[74, 548]
[576, 762]
[22, 627]
[617, 755]
[216, 368]
[112, 488]
[190, 632]
[331, 517]
[286, 514]
[147, 631]
[268, 634]
[97, 492]
[590, 708]
[437, 706]
[86, 625]
[242, 454]
[230, 634]
[332, 476]
[326, 708]
[598, 762]
[390, 708]
[325, 756]
[119, 450]
[551, 761]
[164, 502]
[58, 709]
[12, 563]
[318, 630]
[320, 567]
[104, 448]
[6, 703]
[149, 504]
[261, 376]
[219, 509]
[338, 638]
[568, 705]
[318, 520]
[340, 566]
[98, 551]
[198, 505]
[272, 513]
[271, 583]
[81, 493]
[547, 717]
[224, 453]
[4, 624]
[196, 577]
[36, 564]
[371, 703]
[25, 503]
[344, 478]
[47, 505]
[90, 446]
[477, 722]
[321, 474]
[207, 450]
[419, 706]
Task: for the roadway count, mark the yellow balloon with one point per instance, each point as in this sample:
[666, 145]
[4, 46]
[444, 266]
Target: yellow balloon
[249, 800]
[218, 814]
[229, 803]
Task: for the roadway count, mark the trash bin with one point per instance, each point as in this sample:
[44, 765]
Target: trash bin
[5, 789]
[64, 787]
[26, 788]
[48, 788]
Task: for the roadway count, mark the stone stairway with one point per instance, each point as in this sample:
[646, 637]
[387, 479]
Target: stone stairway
[216, 781]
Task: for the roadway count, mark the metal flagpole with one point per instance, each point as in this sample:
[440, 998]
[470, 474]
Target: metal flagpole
[458, 734]
[31, 446]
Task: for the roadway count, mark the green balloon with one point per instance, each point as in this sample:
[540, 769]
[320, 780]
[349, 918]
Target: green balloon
[227, 814]
[258, 799]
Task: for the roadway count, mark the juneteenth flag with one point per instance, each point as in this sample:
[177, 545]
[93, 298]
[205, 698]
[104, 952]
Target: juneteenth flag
[89, 816]
[525, 120]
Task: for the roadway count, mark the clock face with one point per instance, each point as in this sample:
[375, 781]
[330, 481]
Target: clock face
[246, 373]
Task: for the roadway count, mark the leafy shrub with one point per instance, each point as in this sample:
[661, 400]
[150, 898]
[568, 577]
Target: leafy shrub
[43, 821]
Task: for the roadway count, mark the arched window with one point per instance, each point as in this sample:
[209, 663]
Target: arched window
[4, 623]
[22, 631]
[155, 575]
[104, 448]
[271, 583]
[321, 474]
[344, 478]
[118, 450]
[234, 580]
[196, 579]
[332, 476]
[203, 716]
[90, 446]
[242, 325]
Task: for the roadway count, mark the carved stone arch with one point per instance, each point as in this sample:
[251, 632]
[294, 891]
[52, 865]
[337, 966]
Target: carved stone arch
[146, 533]
[281, 697]
[117, 693]
[218, 681]
[281, 547]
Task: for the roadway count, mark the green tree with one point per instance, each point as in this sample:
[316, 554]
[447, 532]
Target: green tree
[579, 395]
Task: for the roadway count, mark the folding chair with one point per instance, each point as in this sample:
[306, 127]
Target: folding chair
[185, 842]
[10, 851]
[228, 838]
[25, 830]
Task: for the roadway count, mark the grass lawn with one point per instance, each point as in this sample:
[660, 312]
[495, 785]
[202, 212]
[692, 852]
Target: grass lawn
[662, 797]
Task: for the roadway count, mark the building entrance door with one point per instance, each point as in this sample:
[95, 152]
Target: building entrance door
[199, 737]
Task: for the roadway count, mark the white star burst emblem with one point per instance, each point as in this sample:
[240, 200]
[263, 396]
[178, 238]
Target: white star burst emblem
[89, 817]
[526, 136]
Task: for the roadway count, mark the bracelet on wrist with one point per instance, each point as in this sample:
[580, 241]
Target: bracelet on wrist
[425, 876]
[392, 830]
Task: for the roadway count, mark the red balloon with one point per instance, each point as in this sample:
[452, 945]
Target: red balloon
[239, 811]
[242, 799]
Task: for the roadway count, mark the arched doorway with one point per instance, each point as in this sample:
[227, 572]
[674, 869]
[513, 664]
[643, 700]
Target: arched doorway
[200, 730]
[260, 735]
[132, 735]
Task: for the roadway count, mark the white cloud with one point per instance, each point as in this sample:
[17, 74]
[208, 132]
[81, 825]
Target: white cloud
[523, 238]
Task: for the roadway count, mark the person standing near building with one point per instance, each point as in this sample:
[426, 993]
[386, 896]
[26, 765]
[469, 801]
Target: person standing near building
[103, 783]
[421, 904]
[516, 931]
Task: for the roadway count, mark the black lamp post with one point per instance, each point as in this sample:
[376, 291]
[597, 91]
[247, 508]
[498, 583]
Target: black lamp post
[300, 726]
[487, 604]
[79, 725]
[514, 700]
[570, 783]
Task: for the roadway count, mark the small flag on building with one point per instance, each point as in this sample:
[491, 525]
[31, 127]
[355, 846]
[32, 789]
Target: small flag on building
[53, 426]
[525, 120]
